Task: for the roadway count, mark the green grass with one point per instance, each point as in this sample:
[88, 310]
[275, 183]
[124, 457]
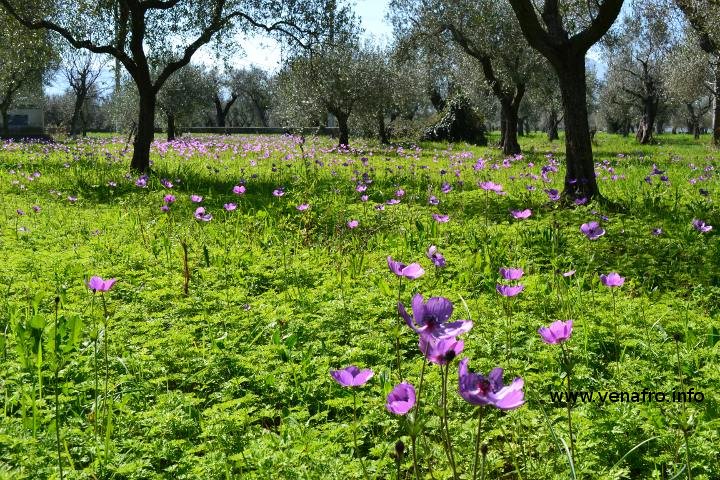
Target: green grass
[232, 380]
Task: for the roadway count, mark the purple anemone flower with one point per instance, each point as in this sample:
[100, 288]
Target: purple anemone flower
[521, 214]
[657, 231]
[353, 224]
[440, 351]
[165, 209]
[229, 207]
[278, 192]
[201, 215]
[701, 226]
[436, 257]
[441, 218]
[196, 198]
[553, 194]
[612, 279]
[511, 273]
[478, 389]
[302, 207]
[97, 284]
[412, 271]
[238, 189]
[352, 376]
[569, 273]
[509, 290]
[433, 200]
[431, 318]
[592, 230]
[169, 199]
[401, 399]
[556, 332]
[492, 187]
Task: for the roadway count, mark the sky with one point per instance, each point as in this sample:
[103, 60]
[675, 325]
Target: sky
[265, 52]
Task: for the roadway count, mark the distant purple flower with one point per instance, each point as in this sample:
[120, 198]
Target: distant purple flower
[352, 376]
[201, 215]
[380, 207]
[569, 273]
[112, 184]
[521, 214]
[440, 351]
[278, 192]
[446, 188]
[580, 201]
[169, 199]
[72, 199]
[229, 207]
[612, 279]
[553, 194]
[20, 212]
[412, 271]
[142, 181]
[364, 198]
[511, 273]
[509, 290]
[196, 198]
[435, 256]
[393, 201]
[657, 231]
[441, 218]
[97, 284]
[36, 208]
[478, 389]
[353, 224]
[165, 209]
[556, 332]
[592, 230]
[302, 207]
[166, 183]
[433, 200]
[701, 226]
[492, 187]
[360, 188]
[431, 318]
[400, 192]
[401, 399]
[238, 189]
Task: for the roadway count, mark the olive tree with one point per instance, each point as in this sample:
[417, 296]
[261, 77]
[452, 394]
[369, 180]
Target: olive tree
[160, 36]
[563, 31]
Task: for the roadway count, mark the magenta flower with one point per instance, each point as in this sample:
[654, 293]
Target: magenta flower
[509, 290]
[393, 201]
[433, 200]
[400, 192]
[279, 192]
[612, 279]
[436, 257]
[431, 318]
[201, 215]
[302, 207]
[238, 189]
[592, 230]
[553, 194]
[97, 284]
[569, 273]
[492, 187]
[229, 207]
[364, 198]
[169, 199]
[353, 224]
[556, 332]
[701, 226]
[401, 399]
[165, 208]
[521, 214]
[196, 198]
[352, 376]
[166, 183]
[478, 389]
[511, 273]
[36, 208]
[360, 188]
[412, 271]
[441, 218]
[440, 351]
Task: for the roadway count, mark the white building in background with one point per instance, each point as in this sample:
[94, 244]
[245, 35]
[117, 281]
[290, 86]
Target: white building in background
[26, 120]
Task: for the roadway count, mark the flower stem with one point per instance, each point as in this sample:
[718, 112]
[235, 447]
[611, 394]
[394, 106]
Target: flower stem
[355, 424]
[57, 391]
[568, 371]
[481, 412]
[415, 420]
[615, 335]
[397, 335]
[448, 441]
[684, 424]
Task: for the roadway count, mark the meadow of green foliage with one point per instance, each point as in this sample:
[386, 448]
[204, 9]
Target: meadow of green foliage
[231, 380]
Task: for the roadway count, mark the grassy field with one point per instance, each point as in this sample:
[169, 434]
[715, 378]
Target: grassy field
[210, 357]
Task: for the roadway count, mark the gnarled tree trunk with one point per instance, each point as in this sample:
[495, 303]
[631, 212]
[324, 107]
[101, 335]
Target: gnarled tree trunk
[145, 131]
[170, 127]
[509, 109]
[344, 136]
[716, 110]
[580, 175]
